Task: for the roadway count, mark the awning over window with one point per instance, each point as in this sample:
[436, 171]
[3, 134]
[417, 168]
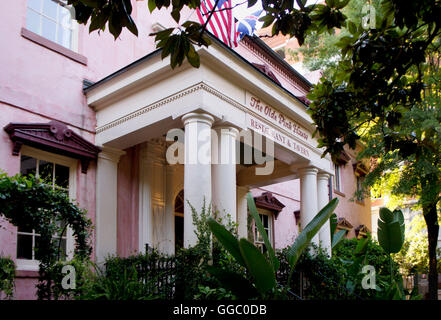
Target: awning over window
[361, 231]
[267, 201]
[54, 137]
[344, 224]
[360, 169]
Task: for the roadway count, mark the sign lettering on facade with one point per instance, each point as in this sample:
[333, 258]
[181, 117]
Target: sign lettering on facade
[275, 135]
[275, 116]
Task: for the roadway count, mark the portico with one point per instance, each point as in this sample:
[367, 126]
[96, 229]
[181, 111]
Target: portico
[214, 132]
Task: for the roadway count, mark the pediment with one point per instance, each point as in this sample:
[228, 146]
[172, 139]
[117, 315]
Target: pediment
[55, 137]
[343, 223]
[267, 201]
[361, 231]
[360, 169]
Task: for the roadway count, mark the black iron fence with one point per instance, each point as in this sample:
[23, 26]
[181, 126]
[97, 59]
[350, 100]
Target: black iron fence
[156, 272]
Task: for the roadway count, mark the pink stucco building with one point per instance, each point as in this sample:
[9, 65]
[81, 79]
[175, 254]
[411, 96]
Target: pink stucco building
[131, 140]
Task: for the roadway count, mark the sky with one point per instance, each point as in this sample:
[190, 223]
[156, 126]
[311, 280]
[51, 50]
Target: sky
[241, 11]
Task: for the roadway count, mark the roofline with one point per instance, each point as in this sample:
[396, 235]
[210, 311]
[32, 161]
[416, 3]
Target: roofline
[130, 66]
[262, 44]
[279, 59]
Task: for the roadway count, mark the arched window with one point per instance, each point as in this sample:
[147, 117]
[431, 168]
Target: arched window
[179, 220]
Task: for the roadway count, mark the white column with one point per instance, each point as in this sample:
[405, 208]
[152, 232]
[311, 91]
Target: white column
[106, 202]
[308, 197]
[197, 169]
[152, 195]
[242, 212]
[223, 170]
[322, 201]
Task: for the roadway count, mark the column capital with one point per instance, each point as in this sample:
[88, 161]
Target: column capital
[323, 176]
[197, 117]
[111, 154]
[307, 171]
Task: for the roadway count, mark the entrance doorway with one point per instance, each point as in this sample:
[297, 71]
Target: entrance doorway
[179, 221]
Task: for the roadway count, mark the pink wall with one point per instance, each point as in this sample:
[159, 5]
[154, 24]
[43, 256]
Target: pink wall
[355, 212]
[285, 226]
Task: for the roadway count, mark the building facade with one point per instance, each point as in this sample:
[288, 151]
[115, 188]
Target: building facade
[136, 143]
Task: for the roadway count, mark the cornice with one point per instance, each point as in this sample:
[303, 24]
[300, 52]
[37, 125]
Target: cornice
[185, 92]
[201, 86]
[254, 48]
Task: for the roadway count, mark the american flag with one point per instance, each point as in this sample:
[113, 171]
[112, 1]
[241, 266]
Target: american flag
[222, 23]
[248, 25]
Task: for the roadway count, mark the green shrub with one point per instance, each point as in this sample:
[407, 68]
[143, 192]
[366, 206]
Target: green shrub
[376, 256]
[84, 274]
[7, 277]
[207, 293]
[316, 276]
[126, 285]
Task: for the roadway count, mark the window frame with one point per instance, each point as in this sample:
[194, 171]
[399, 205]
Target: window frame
[358, 187]
[74, 24]
[33, 265]
[270, 234]
[338, 187]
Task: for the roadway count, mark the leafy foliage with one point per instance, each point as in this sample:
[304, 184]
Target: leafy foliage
[354, 254]
[315, 277]
[124, 279]
[414, 255]
[7, 277]
[28, 202]
[261, 269]
[287, 17]
[336, 237]
[384, 92]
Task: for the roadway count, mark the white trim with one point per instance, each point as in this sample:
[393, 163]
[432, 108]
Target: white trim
[337, 175]
[73, 45]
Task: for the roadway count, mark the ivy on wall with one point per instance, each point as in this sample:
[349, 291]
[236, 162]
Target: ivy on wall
[29, 203]
[7, 275]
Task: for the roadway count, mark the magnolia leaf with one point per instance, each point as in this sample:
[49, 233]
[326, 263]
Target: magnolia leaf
[251, 3]
[151, 5]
